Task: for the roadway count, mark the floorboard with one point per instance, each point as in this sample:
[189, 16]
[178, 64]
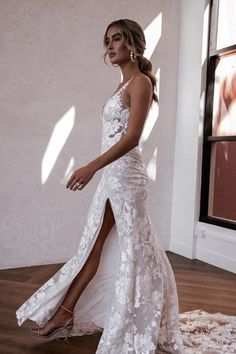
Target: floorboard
[200, 286]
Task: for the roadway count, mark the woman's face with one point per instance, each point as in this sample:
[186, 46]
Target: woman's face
[116, 46]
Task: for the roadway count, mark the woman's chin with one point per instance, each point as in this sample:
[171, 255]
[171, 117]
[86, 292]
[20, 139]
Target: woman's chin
[114, 63]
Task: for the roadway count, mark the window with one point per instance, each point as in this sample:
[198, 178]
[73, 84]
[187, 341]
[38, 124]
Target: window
[218, 191]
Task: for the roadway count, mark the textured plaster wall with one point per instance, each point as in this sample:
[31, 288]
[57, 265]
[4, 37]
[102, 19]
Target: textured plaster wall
[51, 65]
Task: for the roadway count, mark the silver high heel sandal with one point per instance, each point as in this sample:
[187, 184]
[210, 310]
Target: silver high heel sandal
[63, 331]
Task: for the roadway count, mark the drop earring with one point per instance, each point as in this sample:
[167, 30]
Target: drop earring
[133, 57]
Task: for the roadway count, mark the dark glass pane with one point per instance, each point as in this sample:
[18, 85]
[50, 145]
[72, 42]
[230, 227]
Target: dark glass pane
[222, 197]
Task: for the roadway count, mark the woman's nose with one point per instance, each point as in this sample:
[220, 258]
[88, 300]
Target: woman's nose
[110, 45]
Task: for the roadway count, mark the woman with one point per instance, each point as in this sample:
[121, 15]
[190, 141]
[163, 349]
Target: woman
[132, 295]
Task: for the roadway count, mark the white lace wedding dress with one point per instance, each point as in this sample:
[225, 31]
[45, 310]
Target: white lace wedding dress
[133, 297]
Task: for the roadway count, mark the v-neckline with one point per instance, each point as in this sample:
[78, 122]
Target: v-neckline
[122, 86]
[116, 93]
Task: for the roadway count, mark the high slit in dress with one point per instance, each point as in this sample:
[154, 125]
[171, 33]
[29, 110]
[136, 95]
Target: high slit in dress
[132, 299]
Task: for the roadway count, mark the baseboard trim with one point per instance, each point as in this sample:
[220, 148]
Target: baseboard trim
[181, 249]
[216, 259]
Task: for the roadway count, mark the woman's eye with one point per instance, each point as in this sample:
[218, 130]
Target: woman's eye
[114, 39]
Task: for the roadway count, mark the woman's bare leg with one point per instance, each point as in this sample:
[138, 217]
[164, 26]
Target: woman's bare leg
[90, 267]
[83, 278]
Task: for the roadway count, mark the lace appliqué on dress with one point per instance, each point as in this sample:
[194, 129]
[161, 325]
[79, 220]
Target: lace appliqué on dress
[205, 333]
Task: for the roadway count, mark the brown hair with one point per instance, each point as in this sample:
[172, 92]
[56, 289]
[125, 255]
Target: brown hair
[135, 38]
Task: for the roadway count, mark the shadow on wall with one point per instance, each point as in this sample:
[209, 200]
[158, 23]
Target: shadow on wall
[54, 84]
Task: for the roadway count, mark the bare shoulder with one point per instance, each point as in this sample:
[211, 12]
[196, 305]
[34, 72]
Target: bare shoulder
[141, 82]
[138, 91]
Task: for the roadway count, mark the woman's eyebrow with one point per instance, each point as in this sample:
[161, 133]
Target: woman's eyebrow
[115, 34]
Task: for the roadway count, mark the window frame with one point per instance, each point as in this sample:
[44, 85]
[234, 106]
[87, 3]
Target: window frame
[208, 139]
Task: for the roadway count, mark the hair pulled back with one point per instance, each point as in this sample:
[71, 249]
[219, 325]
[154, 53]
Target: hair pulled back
[135, 39]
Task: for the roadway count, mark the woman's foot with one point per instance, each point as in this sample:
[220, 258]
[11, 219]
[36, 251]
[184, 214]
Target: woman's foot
[62, 321]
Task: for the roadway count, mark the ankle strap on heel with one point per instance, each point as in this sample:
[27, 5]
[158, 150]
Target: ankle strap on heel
[64, 308]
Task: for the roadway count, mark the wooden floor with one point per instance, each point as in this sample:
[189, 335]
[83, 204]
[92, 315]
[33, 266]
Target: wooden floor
[200, 286]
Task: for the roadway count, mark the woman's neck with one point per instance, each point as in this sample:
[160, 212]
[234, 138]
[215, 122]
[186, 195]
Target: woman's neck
[128, 70]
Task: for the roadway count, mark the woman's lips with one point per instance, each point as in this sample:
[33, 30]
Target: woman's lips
[111, 55]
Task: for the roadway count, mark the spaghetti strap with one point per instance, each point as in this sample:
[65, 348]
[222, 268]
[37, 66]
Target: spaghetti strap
[126, 83]
[124, 87]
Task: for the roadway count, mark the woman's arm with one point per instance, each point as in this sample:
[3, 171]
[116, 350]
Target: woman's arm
[140, 92]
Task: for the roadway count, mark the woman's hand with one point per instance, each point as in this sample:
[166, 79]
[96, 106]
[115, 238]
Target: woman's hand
[81, 177]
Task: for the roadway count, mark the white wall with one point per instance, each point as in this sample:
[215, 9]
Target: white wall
[187, 120]
[51, 65]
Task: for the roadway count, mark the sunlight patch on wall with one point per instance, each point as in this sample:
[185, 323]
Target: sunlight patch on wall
[202, 106]
[152, 166]
[56, 142]
[152, 116]
[152, 35]
[158, 77]
[149, 124]
[68, 171]
[205, 34]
